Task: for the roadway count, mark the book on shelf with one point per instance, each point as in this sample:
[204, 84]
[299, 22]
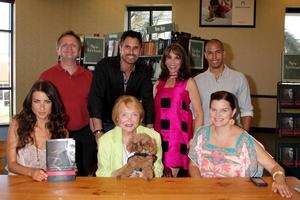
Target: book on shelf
[149, 48]
[297, 125]
[116, 48]
[156, 70]
[94, 49]
[162, 44]
[286, 125]
[110, 48]
[297, 157]
[60, 159]
[287, 97]
[287, 155]
[297, 96]
[196, 54]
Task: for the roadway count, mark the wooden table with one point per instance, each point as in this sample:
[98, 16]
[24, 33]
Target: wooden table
[19, 187]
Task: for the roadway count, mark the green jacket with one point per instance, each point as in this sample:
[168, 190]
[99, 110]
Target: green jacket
[110, 151]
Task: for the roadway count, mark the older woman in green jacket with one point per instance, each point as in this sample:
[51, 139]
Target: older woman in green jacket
[128, 115]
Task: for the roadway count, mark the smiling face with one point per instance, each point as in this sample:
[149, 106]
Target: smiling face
[173, 63]
[214, 53]
[129, 118]
[130, 50]
[41, 105]
[221, 112]
[68, 48]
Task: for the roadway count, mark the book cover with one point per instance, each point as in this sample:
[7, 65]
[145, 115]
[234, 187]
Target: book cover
[286, 125]
[298, 157]
[60, 159]
[110, 48]
[196, 53]
[94, 49]
[297, 125]
[287, 97]
[162, 44]
[156, 70]
[287, 156]
[116, 48]
[297, 96]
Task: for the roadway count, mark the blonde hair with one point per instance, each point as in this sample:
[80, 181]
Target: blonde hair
[128, 101]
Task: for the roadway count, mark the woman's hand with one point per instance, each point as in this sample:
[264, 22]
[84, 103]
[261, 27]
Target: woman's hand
[279, 185]
[38, 175]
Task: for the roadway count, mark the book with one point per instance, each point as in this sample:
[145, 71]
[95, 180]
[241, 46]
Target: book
[116, 48]
[298, 156]
[60, 159]
[196, 53]
[149, 48]
[156, 70]
[162, 44]
[297, 96]
[287, 97]
[94, 49]
[287, 156]
[286, 126]
[297, 125]
[110, 48]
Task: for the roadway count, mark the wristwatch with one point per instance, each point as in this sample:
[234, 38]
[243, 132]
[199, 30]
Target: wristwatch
[98, 131]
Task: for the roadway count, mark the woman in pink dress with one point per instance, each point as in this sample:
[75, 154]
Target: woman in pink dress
[173, 93]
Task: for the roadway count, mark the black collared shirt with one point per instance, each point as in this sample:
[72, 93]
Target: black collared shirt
[108, 85]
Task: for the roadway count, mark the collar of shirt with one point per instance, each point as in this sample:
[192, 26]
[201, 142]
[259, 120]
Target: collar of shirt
[222, 75]
[79, 70]
[126, 79]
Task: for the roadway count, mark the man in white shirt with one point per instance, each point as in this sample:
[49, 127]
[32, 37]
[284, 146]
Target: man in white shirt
[219, 77]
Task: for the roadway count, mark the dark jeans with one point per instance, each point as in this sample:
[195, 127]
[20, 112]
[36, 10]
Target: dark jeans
[86, 150]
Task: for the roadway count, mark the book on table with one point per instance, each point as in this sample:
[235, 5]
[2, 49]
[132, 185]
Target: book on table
[60, 159]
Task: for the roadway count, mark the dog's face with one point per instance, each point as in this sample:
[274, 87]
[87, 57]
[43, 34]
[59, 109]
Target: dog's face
[142, 143]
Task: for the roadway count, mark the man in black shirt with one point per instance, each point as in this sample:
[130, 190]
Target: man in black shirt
[116, 76]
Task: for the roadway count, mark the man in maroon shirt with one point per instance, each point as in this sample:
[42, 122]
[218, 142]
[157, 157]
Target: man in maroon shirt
[73, 84]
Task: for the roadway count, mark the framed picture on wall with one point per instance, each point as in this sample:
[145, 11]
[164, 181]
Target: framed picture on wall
[227, 13]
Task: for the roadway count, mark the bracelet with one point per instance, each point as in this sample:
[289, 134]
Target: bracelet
[276, 173]
[96, 132]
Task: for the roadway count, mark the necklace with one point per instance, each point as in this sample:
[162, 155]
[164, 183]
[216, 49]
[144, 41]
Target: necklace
[38, 160]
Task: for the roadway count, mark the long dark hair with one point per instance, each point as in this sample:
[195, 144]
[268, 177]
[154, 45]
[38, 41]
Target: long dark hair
[26, 119]
[184, 70]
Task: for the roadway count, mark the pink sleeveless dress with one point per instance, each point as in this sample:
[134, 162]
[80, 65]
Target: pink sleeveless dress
[173, 120]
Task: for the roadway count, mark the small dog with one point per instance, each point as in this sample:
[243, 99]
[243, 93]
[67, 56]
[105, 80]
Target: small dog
[143, 150]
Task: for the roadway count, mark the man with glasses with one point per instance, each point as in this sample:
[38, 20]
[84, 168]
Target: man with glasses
[220, 77]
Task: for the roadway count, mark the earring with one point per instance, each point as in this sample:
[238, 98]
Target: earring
[231, 122]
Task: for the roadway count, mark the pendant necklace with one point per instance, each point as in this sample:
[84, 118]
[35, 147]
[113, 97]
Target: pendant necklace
[37, 152]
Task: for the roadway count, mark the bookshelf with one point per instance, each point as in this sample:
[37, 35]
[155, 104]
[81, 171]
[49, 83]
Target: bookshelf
[153, 49]
[288, 127]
